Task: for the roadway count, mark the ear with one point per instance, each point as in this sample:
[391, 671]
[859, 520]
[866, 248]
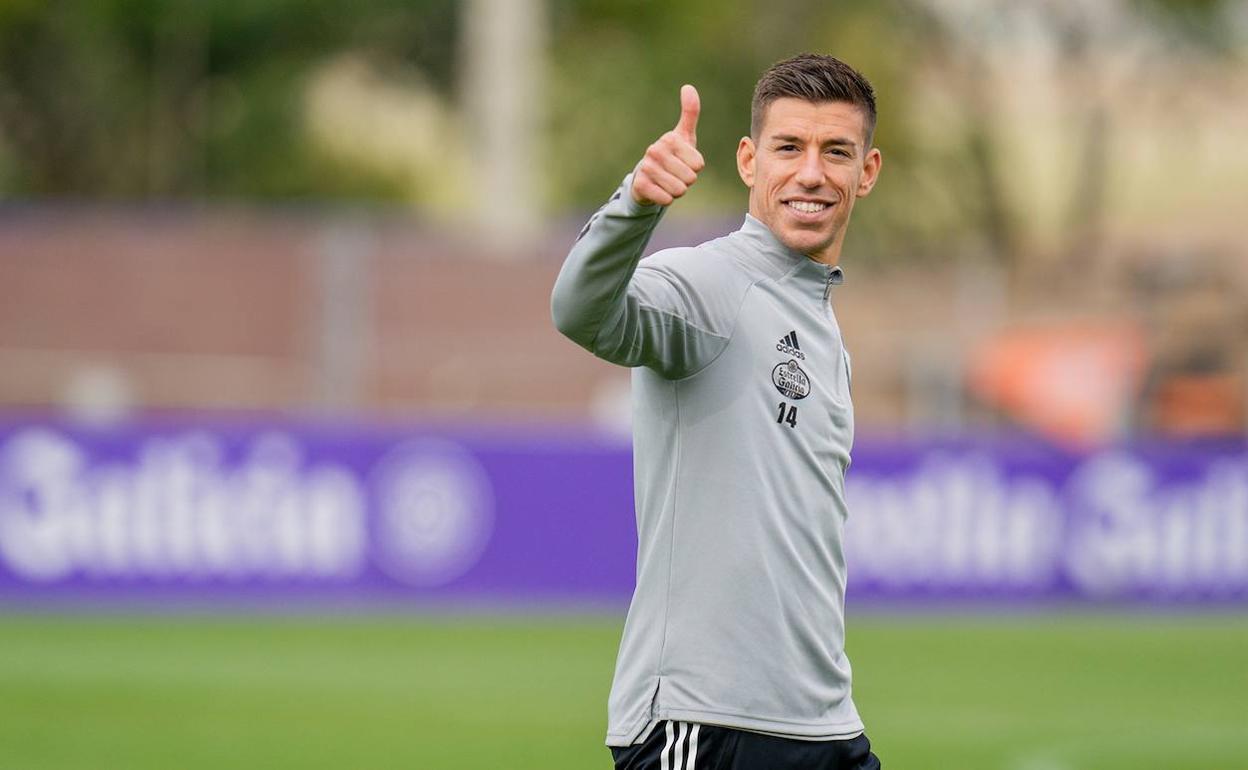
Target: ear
[745, 161]
[870, 172]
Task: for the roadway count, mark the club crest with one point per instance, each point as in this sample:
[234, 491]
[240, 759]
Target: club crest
[790, 380]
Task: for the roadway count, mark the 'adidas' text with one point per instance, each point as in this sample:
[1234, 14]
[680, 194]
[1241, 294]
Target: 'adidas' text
[788, 346]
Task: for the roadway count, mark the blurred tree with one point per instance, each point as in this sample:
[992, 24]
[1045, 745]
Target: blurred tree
[159, 98]
[1014, 110]
[997, 119]
[1201, 21]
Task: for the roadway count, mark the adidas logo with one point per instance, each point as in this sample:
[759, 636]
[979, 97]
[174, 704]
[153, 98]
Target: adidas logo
[788, 345]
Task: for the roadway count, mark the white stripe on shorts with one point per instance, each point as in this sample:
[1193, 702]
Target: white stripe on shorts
[693, 747]
[663, 757]
[682, 729]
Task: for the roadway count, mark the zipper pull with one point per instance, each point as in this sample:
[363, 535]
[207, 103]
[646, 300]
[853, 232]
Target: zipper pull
[835, 276]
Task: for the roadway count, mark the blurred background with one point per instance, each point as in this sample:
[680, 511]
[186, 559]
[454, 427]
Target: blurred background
[295, 469]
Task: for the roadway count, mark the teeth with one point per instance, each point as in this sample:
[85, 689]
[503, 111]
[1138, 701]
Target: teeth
[808, 207]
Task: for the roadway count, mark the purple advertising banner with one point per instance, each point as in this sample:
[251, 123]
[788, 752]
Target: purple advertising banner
[283, 512]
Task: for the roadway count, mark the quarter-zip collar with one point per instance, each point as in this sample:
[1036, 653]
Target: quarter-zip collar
[814, 276]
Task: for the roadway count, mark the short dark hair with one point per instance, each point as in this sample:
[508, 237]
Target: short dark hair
[813, 78]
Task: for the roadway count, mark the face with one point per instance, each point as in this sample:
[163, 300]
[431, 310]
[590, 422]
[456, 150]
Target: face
[808, 167]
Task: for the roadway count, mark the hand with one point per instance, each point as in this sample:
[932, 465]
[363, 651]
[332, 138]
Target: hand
[671, 165]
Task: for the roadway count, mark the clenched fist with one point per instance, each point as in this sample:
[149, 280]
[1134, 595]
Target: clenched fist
[671, 165]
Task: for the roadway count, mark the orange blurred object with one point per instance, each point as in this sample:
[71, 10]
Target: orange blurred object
[1072, 382]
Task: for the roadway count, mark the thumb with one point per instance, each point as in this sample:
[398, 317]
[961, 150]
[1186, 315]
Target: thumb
[690, 106]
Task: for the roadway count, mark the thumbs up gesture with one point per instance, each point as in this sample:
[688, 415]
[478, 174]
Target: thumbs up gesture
[671, 165]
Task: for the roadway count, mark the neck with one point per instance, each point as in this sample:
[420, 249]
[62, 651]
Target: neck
[830, 256]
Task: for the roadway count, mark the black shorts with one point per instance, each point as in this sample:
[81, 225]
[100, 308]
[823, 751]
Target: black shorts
[687, 746]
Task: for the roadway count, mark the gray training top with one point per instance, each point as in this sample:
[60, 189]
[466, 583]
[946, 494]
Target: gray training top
[742, 427]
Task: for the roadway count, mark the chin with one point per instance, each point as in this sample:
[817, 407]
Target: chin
[804, 242]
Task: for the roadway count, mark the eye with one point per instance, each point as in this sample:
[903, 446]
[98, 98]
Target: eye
[839, 152]
[787, 148]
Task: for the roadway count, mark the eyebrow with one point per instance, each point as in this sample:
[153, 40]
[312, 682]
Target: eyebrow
[839, 141]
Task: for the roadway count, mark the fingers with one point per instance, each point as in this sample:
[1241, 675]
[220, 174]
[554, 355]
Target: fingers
[657, 179]
[687, 155]
[667, 171]
[672, 155]
[690, 106]
[672, 163]
[647, 193]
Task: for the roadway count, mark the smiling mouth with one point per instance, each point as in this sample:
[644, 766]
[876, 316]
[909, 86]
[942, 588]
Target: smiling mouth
[807, 207]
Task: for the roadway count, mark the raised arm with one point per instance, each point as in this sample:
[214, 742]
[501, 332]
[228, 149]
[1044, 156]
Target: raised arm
[653, 316]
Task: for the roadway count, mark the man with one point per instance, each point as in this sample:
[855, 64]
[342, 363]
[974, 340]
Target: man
[733, 651]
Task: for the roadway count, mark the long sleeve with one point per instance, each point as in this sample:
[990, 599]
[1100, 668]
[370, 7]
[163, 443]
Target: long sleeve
[671, 312]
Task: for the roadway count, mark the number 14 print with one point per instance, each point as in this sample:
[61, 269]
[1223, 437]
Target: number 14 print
[787, 413]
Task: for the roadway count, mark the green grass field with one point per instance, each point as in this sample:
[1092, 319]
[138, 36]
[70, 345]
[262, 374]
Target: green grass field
[1017, 693]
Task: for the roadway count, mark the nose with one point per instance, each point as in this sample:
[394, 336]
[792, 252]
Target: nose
[810, 173]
